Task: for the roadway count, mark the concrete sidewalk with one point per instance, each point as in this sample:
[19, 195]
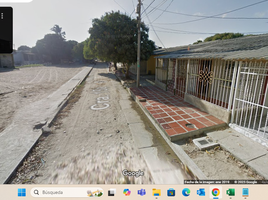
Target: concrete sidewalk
[18, 139]
[243, 148]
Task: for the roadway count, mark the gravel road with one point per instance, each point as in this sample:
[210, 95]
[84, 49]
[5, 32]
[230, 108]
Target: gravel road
[26, 85]
[91, 142]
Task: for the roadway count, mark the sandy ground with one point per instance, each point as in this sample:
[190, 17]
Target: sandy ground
[87, 146]
[26, 85]
[218, 164]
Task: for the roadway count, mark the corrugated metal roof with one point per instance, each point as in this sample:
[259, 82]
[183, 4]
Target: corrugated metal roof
[248, 47]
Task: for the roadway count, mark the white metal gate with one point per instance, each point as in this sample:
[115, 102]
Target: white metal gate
[250, 109]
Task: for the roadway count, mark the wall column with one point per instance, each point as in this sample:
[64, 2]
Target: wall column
[176, 75]
[187, 76]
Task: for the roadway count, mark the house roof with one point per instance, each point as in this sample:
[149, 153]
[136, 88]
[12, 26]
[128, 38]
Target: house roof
[247, 47]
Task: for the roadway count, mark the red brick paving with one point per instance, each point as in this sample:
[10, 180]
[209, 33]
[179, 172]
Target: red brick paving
[172, 113]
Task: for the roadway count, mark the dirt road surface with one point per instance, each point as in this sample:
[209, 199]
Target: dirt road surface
[26, 85]
[91, 141]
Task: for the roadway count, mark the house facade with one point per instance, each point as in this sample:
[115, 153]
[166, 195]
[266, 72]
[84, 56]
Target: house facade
[6, 61]
[227, 79]
[25, 58]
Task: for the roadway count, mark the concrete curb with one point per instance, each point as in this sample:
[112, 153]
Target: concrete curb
[189, 166]
[64, 102]
[39, 131]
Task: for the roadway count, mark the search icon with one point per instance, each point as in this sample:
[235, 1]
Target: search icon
[36, 192]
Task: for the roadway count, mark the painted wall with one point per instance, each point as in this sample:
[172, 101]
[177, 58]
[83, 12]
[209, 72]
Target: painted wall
[6, 61]
[143, 69]
[151, 65]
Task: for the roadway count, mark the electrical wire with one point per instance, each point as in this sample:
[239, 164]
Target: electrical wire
[148, 6]
[162, 12]
[191, 32]
[158, 6]
[202, 16]
[120, 6]
[223, 12]
[134, 8]
[153, 28]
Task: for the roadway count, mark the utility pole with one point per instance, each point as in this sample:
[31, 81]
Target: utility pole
[138, 11]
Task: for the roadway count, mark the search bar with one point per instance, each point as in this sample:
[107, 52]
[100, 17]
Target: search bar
[66, 192]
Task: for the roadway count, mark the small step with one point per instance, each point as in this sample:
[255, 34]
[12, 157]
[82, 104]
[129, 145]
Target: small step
[205, 143]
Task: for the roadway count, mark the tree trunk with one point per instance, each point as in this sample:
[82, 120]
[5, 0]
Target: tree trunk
[115, 65]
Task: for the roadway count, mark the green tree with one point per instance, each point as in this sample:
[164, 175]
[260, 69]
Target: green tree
[78, 52]
[58, 30]
[223, 36]
[68, 49]
[54, 47]
[87, 50]
[113, 37]
[51, 48]
[198, 41]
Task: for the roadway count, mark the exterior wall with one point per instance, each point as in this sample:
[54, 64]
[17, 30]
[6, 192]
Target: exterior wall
[210, 108]
[24, 58]
[143, 69]
[18, 58]
[151, 65]
[6, 61]
[208, 83]
[147, 67]
[171, 75]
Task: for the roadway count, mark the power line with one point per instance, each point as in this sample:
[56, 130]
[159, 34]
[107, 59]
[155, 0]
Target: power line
[153, 28]
[120, 6]
[192, 32]
[158, 6]
[134, 8]
[202, 16]
[148, 6]
[223, 13]
[163, 11]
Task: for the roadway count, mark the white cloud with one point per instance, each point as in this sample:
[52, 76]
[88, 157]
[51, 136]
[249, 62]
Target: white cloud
[224, 15]
[260, 14]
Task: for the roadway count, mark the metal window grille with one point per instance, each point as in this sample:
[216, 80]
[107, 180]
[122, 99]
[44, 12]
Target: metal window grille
[251, 101]
[181, 77]
[162, 70]
[211, 80]
[171, 75]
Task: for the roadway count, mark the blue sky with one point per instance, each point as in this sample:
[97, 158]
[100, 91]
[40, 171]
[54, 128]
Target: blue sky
[33, 20]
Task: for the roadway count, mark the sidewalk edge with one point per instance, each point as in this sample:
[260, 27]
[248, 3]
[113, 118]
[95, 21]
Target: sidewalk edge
[189, 165]
[48, 125]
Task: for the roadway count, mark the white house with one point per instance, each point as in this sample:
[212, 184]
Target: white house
[226, 78]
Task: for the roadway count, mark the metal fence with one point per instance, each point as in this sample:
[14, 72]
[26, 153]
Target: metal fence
[181, 77]
[171, 75]
[251, 100]
[211, 80]
[162, 67]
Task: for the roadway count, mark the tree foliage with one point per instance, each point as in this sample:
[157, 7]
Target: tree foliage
[198, 41]
[87, 50]
[54, 48]
[223, 36]
[58, 30]
[113, 37]
[78, 52]
[51, 48]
